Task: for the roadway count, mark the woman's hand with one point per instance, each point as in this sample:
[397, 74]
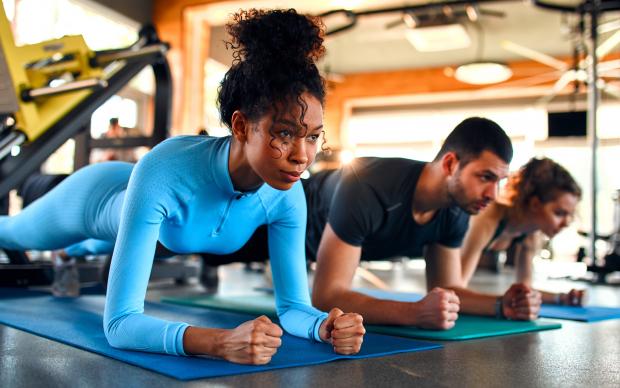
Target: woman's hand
[572, 298]
[253, 342]
[521, 302]
[344, 331]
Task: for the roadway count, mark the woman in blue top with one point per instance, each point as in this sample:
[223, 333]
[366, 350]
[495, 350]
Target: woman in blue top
[202, 194]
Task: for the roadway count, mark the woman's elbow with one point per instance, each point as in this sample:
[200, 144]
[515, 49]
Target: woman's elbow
[113, 334]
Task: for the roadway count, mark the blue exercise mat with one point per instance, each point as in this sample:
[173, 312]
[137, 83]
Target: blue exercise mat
[583, 314]
[78, 322]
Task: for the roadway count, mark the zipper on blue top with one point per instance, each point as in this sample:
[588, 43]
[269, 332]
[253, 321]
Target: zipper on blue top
[220, 225]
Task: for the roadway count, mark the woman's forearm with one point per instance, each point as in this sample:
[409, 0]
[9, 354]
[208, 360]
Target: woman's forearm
[523, 257]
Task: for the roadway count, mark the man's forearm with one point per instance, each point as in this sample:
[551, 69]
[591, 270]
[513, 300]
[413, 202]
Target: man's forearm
[475, 303]
[374, 311]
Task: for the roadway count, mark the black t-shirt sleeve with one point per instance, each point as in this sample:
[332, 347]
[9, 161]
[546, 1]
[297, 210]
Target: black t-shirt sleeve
[454, 228]
[355, 211]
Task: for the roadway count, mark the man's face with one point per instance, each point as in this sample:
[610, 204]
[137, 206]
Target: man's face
[473, 186]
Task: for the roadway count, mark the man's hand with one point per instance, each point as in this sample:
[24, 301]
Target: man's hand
[521, 302]
[438, 310]
[253, 342]
[344, 331]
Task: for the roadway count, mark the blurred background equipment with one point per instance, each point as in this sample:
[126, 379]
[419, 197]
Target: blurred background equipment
[49, 93]
[57, 85]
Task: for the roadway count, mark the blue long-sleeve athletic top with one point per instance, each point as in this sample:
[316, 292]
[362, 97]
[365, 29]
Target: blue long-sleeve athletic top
[181, 194]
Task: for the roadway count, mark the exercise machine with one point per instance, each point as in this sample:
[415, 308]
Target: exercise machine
[48, 93]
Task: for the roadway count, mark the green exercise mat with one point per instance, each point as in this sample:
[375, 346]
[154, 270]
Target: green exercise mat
[467, 326]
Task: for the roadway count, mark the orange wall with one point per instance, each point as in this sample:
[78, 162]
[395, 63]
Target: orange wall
[168, 18]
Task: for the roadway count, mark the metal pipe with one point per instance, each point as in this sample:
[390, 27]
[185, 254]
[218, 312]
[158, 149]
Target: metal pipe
[593, 102]
[353, 15]
[585, 5]
[420, 7]
[105, 58]
[93, 83]
[8, 142]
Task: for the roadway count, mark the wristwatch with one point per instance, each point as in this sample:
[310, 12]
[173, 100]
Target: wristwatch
[499, 310]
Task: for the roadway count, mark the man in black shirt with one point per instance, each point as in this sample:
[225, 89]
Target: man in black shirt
[378, 208]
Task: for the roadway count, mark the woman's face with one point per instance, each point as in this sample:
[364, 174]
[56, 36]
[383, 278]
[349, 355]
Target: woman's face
[555, 215]
[280, 147]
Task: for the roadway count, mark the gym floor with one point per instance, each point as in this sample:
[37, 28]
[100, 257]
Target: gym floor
[578, 354]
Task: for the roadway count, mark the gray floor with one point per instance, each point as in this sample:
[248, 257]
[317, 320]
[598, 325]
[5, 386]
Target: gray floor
[577, 355]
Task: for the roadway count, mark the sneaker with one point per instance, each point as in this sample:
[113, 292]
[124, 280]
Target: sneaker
[66, 278]
[209, 278]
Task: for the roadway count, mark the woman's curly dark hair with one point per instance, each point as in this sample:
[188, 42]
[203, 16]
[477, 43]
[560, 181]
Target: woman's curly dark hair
[542, 178]
[274, 62]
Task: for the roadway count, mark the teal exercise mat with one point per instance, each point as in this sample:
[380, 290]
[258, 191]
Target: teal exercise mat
[79, 323]
[467, 326]
[261, 303]
[572, 313]
[254, 304]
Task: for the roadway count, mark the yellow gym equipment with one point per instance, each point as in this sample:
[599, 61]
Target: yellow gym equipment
[48, 93]
[50, 89]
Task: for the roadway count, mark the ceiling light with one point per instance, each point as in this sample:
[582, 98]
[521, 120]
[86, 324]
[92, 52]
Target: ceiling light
[482, 73]
[438, 38]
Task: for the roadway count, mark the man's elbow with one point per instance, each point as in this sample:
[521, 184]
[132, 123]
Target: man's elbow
[324, 299]
[458, 282]
[464, 280]
[454, 287]
[452, 284]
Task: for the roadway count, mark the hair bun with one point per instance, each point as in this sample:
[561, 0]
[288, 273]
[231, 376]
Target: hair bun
[275, 38]
[274, 53]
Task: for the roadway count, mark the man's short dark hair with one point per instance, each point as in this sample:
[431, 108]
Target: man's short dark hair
[114, 121]
[473, 136]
